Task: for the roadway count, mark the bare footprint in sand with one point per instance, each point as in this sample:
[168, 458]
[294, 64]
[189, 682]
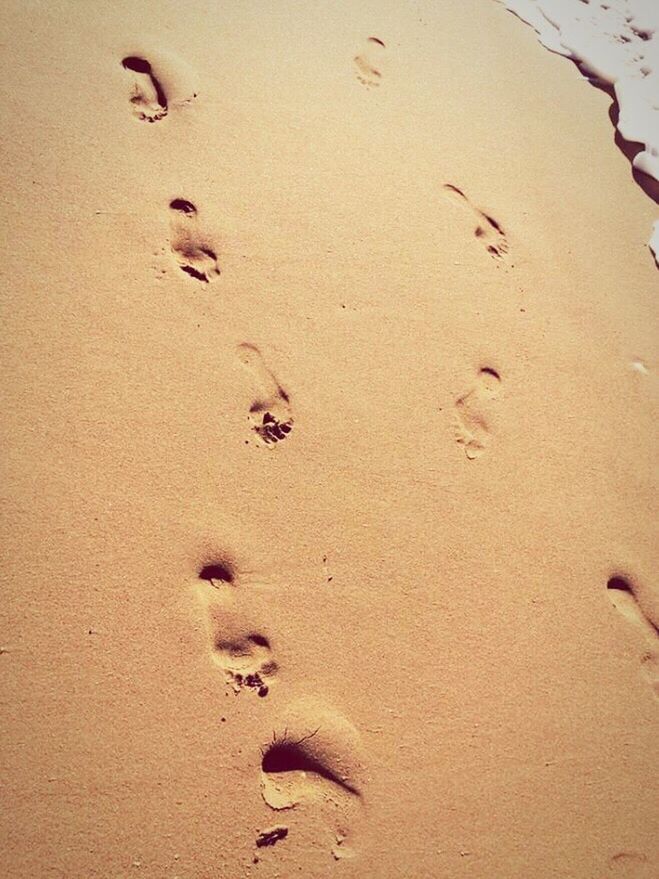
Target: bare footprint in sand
[315, 758]
[244, 656]
[147, 96]
[368, 63]
[159, 83]
[270, 413]
[475, 413]
[240, 650]
[622, 594]
[487, 230]
[630, 865]
[194, 252]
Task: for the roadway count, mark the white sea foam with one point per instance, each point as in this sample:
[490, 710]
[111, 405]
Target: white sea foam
[615, 42]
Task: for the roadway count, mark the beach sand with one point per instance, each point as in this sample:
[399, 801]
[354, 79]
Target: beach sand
[330, 476]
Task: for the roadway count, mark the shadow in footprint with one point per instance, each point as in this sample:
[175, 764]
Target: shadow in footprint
[368, 63]
[316, 760]
[147, 96]
[475, 413]
[217, 573]
[246, 660]
[317, 755]
[487, 230]
[193, 252]
[286, 755]
[622, 596]
[270, 414]
[242, 653]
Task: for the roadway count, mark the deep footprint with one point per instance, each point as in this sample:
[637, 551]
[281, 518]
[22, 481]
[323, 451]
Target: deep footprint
[147, 96]
[243, 654]
[315, 755]
[193, 252]
[623, 598]
[368, 64]
[246, 660]
[270, 413]
[487, 230]
[218, 574]
[474, 413]
[315, 760]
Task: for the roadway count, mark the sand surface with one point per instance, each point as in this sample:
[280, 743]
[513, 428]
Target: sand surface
[616, 47]
[330, 382]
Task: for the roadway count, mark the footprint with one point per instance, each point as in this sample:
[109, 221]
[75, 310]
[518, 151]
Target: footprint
[315, 758]
[192, 251]
[487, 230]
[635, 865]
[270, 413]
[147, 95]
[242, 653]
[294, 769]
[246, 659]
[160, 83]
[623, 597]
[475, 411]
[368, 63]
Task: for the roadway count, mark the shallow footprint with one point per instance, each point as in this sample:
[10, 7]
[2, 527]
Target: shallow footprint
[474, 413]
[622, 596]
[631, 864]
[487, 230]
[193, 252]
[147, 95]
[270, 414]
[315, 757]
[368, 63]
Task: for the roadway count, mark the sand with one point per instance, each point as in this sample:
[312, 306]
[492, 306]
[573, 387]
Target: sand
[330, 393]
[616, 47]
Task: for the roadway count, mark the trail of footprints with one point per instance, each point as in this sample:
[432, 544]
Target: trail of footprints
[314, 755]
